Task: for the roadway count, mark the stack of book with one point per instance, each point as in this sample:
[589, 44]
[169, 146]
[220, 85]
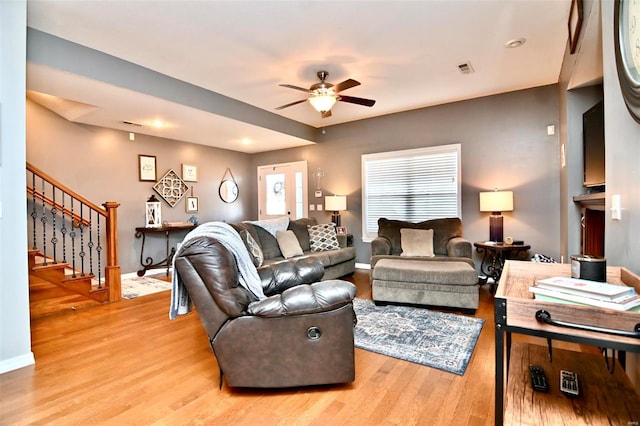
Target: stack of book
[585, 292]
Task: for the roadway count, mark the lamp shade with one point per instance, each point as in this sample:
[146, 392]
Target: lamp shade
[335, 202]
[496, 201]
[322, 102]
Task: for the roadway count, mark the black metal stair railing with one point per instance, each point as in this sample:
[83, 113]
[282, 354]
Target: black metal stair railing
[67, 228]
[60, 225]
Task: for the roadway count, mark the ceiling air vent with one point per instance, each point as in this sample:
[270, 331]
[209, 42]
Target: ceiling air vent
[131, 123]
[466, 68]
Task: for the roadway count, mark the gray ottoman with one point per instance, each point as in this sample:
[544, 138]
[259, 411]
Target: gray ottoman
[447, 284]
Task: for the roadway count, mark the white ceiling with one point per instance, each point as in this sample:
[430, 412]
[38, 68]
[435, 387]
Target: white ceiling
[405, 54]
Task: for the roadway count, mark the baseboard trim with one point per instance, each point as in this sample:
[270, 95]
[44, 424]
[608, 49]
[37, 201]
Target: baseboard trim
[17, 362]
[148, 272]
[363, 266]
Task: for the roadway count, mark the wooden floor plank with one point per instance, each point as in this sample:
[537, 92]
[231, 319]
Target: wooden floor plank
[127, 363]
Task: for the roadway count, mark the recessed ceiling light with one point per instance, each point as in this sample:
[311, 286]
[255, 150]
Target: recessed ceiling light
[246, 141]
[516, 42]
[158, 123]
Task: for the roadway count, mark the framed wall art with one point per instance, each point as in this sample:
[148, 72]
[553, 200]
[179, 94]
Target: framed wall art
[171, 188]
[147, 168]
[192, 205]
[189, 173]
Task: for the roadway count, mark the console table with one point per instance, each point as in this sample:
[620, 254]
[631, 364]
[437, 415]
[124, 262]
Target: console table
[495, 254]
[605, 398]
[148, 262]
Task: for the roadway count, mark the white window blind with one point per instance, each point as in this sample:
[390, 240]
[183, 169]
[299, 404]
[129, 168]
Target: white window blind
[413, 185]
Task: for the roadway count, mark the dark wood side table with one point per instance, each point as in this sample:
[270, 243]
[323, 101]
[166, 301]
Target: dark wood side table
[148, 263]
[494, 255]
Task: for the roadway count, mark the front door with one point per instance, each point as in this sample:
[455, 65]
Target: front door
[282, 190]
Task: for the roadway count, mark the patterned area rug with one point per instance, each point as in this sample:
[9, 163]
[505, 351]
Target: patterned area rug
[440, 340]
[142, 286]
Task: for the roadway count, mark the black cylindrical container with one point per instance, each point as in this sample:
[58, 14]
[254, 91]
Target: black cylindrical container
[587, 267]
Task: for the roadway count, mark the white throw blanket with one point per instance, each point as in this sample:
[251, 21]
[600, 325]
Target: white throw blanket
[272, 226]
[230, 239]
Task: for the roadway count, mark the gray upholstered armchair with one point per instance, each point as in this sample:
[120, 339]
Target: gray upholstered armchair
[301, 334]
[448, 241]
[426, 263]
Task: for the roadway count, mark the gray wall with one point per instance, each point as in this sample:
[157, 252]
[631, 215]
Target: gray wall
[504, 145]
[15, 335]
[622, 133]
[102, 165]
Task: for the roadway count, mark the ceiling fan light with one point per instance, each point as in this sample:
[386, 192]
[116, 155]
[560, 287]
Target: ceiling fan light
[322, 102]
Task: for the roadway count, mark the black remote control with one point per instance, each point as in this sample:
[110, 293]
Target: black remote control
[569, 383]
[538, 378]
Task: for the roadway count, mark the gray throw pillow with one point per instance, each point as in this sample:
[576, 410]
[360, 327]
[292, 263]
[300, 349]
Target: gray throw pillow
[323, 237]
[289, 245]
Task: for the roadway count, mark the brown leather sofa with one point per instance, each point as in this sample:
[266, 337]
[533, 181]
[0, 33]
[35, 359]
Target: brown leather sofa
[300, 335]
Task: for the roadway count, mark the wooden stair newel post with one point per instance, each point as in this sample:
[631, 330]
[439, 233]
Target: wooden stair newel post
[112, 274]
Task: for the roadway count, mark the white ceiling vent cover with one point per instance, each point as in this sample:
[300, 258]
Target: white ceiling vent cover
[466, 68]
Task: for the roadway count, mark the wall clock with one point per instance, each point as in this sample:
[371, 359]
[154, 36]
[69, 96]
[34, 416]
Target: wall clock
[627, 49]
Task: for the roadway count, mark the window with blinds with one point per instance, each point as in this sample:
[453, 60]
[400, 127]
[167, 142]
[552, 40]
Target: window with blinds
[412, 185]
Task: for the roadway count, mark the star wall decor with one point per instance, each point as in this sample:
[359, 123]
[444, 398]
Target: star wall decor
[171, 187]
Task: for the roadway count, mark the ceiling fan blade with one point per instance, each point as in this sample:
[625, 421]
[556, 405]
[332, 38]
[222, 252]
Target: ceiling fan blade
[359, 101]
[291, 86]
[326, 114]
[291, 104]
[347, 84]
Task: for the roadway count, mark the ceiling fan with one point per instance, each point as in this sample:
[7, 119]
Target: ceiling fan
[324, 95]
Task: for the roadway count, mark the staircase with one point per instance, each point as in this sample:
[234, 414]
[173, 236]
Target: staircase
[63, 276]
[74, 241]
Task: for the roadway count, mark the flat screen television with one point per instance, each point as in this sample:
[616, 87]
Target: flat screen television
[593, 146]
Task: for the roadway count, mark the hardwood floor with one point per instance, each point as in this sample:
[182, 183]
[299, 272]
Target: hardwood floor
[46, 299]
[127, 363]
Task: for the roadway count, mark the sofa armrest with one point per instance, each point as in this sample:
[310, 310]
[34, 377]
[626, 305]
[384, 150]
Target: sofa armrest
[380, 246]
[305, 299]
[280, 276]
[459, 247]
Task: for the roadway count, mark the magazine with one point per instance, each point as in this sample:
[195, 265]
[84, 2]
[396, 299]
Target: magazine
[623, 304]
[586, 288]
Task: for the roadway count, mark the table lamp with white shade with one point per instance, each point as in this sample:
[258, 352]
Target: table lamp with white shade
[335, 203]
[496, 202]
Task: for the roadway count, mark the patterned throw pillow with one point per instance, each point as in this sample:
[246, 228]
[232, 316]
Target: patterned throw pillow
[538, 257]
[323, 237]
[253, 247]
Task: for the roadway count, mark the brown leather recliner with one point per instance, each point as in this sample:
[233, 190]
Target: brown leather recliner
[300, 335]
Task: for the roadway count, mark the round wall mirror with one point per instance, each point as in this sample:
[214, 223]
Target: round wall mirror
[228, 191]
